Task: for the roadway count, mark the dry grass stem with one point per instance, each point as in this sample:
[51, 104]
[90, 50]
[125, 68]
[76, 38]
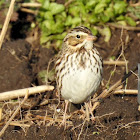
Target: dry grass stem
[107, 92]
[135, 4]
[22, 92]
[31, 5]
[14, 123]
[119, 63]
[29, 11]
[121, 54]
[51, 119]
[139, 108]
[7, 20]
[14, 114]
[124, 27]
[128, 125]
[81, 130]
[126, 91]
[109, 114]
[0, 114]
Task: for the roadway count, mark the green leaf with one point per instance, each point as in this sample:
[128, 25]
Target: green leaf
[61, 17]
[42, 75]
[43, 39]
[72, 21]
[60, 37]
[32, 25]
[48, 15]
[76, 20]
[92, 18]
[48, 24]
[120, 7]
[41, 1]
[58, 28]
[100, 7]
[121, 17]
[96, 133]
[58, 44]
[91, 4]
[56, 8]
[107, 33]
[113, 58]
[94, 31]
[109, 12]
[41, 15]
[68, 21]
[122, 22]
[46, 4]
[106, 1]
[82, 8]
[130, 21]
[2, 2]
[104, 18]
[74, 11]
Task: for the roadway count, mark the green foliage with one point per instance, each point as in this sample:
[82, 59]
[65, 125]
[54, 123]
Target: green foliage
[107, 33]
[54, 19]
[96, 133]
[130, 21]
[2, 2]
[135, 11]
[45, 76]
[42, 75]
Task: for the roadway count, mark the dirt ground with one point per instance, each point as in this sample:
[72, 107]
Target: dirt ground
[117, 117]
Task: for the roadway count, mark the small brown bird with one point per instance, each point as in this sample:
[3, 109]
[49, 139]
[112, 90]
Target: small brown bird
[78, 66]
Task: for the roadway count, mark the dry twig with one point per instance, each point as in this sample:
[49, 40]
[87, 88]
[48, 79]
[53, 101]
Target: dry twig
[81, 130]
[124, 27]
[31, 5]
[135, 4]
[29, 11]
[51, 119]
[7, 20]
[14, 114]
[119, 63]
[15, 123]
[0, 114]
[106, 92]
[22, 92]
[126, 91]
[128, 125]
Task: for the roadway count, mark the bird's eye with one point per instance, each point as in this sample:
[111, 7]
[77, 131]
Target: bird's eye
[78, 36]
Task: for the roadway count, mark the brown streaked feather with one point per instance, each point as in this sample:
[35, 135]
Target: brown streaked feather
[82, 62]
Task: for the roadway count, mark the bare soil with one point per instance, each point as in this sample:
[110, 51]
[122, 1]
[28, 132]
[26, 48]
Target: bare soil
[116, 117]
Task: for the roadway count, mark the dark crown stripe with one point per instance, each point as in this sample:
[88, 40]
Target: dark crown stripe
[82, 29]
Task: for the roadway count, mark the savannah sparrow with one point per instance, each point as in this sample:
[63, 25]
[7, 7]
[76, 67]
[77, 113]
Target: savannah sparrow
[78, 66]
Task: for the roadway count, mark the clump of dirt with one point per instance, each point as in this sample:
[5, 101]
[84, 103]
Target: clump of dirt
[15, 70]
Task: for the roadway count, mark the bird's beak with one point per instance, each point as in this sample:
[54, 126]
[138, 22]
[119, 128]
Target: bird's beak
[91, 38]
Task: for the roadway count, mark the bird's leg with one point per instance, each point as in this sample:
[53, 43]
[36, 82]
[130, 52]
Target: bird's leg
[90, 110]
[88, 107]
[64, 116]
[87, 111]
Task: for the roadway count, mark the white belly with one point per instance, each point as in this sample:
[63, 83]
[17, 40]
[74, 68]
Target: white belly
[80, 85]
